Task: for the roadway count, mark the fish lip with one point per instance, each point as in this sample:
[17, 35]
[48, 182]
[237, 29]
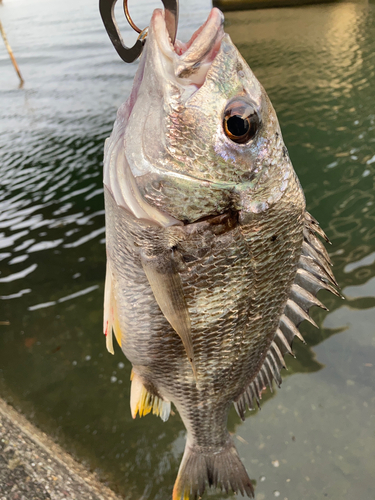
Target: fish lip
[197, 54]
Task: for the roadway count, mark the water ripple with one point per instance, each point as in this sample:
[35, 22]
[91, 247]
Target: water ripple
[20, 275]
[72, 296]
[85, 238]
[15, 295]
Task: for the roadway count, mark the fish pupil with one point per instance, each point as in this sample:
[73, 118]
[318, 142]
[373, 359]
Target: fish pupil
[241, 121]
[237, 126]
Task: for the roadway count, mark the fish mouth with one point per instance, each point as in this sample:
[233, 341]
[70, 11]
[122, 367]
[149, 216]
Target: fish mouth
[189, 62]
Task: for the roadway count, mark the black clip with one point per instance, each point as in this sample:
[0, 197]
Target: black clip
[130, 54]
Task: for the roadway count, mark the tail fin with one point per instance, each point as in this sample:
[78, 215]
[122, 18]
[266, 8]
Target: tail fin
[222, 469]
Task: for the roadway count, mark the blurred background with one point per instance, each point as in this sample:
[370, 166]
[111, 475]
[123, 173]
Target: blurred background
[315, 437]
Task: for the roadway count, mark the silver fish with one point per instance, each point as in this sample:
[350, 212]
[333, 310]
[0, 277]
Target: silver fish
[212, 259]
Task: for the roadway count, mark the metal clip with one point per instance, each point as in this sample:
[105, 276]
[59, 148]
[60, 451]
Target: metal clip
[130, 54]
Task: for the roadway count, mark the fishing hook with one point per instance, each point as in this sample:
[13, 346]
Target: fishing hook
[130, 54]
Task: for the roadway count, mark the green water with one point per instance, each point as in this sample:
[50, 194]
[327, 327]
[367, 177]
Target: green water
[315, 437]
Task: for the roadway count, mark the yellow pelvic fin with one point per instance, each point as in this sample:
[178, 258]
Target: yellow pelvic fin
[179, 493]
[143, 402]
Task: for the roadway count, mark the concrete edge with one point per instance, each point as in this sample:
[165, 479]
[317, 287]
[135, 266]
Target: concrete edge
[44, 462]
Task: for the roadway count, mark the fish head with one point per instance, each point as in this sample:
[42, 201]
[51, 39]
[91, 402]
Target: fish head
[198, 128]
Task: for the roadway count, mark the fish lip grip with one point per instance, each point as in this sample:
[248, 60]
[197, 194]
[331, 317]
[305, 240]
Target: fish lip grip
[130, 54]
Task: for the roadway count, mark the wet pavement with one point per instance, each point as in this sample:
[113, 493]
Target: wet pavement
[33, 467]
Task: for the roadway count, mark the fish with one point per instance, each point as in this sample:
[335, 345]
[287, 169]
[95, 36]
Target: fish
[212, 259]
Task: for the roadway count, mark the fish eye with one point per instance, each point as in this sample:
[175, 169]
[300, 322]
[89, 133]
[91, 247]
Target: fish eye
[241, 121]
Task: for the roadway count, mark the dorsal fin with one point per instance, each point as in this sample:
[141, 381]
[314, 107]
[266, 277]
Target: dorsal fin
[313, 274]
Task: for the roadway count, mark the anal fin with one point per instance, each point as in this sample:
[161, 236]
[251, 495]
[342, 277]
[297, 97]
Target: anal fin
[143, 402]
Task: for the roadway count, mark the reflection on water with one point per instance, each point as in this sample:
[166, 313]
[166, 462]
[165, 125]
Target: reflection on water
[315, 439]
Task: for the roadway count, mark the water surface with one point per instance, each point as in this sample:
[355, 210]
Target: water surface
[314, 438]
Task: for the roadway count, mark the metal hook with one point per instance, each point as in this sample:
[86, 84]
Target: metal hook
[130, 54]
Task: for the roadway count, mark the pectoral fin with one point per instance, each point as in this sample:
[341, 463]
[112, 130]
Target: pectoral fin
[111, 323]
[166, 285]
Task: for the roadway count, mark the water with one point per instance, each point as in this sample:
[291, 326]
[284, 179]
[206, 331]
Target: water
[315, 437]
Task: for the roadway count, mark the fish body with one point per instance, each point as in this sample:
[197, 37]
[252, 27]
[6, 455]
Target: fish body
[212, 259]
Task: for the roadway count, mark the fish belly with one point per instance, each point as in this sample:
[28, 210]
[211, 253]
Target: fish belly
[236, 272]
